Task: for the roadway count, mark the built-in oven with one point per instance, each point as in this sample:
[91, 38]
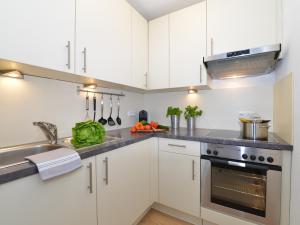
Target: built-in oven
[241, 181]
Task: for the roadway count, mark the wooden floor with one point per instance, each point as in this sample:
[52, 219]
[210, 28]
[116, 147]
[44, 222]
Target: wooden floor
[154, 217]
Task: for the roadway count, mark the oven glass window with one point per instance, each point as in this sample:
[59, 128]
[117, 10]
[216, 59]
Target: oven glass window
[239, 188]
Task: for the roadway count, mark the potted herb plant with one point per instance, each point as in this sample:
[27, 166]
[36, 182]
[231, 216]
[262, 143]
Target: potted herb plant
[174, 113]
[190, 114]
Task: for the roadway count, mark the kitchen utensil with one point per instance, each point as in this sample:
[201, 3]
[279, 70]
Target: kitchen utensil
[102, 120]
[110, 120]
[119, 121]
[87, 106]
[95, 106]
[255, 129]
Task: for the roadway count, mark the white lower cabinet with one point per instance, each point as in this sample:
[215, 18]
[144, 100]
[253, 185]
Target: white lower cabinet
[65, 200]
[179, 177]
[123, 183]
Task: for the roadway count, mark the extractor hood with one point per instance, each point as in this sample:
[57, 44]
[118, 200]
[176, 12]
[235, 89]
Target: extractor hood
[248, 62]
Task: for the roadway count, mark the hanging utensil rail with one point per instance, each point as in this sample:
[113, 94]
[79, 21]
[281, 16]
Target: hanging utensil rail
[100, 92]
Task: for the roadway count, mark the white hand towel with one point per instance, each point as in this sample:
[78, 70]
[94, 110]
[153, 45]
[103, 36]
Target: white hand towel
[55, 163]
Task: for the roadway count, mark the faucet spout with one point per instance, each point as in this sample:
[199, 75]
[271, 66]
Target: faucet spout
[49, 129]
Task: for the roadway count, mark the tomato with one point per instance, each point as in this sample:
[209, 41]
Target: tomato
[154, 124]
[139, 126]
[147, 127]
[133, 130]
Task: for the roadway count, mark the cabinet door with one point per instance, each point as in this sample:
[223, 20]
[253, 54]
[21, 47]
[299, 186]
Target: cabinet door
[159, 53]
[188, 46]
[103, 37]
[65, 200]
[139, 50]
[241, 24]
[123, 178]
[37, 33]
[179, 182]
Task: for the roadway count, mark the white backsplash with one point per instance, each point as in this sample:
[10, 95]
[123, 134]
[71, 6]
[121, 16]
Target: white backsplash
[39, 99]
[222, 105]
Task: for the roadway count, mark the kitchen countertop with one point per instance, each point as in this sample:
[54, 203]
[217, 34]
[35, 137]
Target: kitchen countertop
[226, 137]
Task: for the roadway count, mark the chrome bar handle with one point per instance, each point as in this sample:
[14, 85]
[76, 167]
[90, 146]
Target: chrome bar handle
[106, 170]
[90, 187]
[179, 146]
[211, 46]
[68, 46]
[200, 74]
[146, 77]
[84, 68]
[193, 168]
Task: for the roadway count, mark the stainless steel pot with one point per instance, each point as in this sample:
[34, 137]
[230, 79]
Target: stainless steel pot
[175, 121]
[255, 130]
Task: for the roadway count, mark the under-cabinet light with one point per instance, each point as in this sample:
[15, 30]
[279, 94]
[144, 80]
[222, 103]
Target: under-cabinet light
[192, 91]
[12, 74]
[90, 86]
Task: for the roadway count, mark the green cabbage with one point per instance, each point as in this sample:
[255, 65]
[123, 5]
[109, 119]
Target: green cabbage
[87, 133]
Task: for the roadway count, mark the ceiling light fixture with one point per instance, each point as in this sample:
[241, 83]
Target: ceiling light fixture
[12, 73]
[192, 91]
[90, 86]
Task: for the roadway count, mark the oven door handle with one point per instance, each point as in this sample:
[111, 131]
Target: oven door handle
[237, 163]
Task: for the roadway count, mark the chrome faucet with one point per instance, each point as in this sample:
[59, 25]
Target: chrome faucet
[49, 129]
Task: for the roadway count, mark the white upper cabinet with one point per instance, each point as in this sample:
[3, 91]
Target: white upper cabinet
[188, 46]
[103, 29]
[159, 53]
[240, 24]
[39, 33]
[139, 50]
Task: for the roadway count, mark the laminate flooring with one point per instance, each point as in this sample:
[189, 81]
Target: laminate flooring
[154, 217]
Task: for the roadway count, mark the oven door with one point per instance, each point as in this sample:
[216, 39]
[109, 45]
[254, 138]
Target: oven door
[246, 190]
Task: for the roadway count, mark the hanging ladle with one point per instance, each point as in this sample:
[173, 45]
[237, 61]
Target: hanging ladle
[110, 120]
[118, 119]
[102, 120]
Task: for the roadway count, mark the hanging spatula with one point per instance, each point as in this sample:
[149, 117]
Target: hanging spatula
[118, 119]
[110, 120]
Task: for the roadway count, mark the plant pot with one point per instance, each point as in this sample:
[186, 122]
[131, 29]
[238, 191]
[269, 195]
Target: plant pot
[175, 121]
[191, 123]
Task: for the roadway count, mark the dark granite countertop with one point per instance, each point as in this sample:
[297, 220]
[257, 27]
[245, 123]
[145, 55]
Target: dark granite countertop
[126, 138]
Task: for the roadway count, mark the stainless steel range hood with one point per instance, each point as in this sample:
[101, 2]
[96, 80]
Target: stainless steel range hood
[248, 62]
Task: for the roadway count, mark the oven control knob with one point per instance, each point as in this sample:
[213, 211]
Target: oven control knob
[215, 152]
[245, 156]
[270, 159]
[261, 158]
[252, 157]
[208, 151]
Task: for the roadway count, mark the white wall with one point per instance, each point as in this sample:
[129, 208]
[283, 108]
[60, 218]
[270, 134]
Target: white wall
[39, 99]
[222, 105]
[291, 63]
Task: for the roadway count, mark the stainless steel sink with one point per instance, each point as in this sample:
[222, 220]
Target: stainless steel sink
[15, 155]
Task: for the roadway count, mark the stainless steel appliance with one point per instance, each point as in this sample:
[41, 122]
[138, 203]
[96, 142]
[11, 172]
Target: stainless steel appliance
[248, 62]
[241, 181]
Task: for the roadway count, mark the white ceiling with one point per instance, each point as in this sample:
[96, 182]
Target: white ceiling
[151, 9]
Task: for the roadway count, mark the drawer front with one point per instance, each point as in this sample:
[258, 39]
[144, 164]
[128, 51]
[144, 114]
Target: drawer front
[179, 146]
